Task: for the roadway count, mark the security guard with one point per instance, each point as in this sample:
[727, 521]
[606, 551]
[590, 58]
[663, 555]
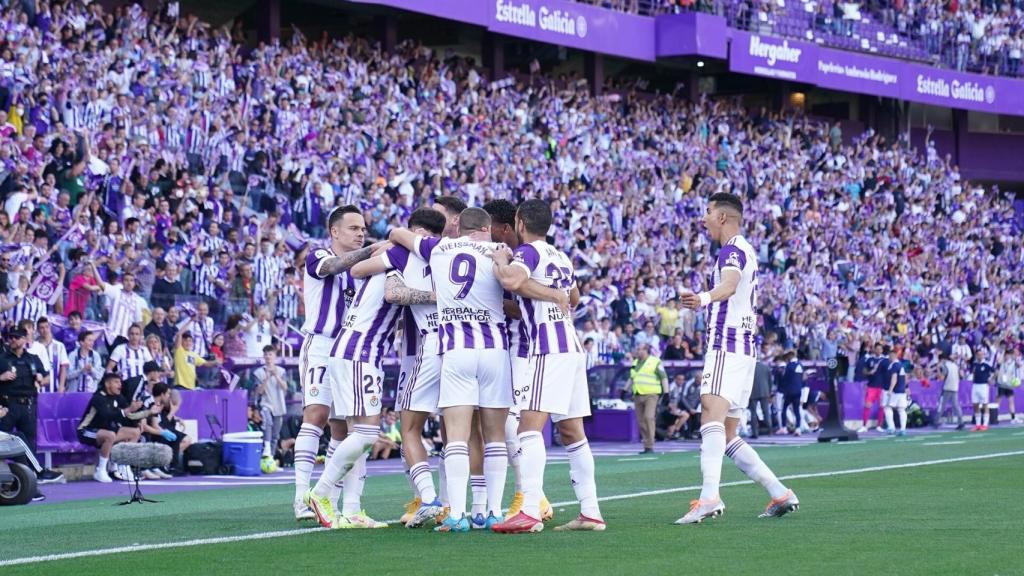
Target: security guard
[22, 375]
[649, 382]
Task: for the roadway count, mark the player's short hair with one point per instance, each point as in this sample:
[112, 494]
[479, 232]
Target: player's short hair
[472, 219]
[160, 388]
[536, 216]
[502, 211]
[108, 377]
[269, 348]
[726, 199]
[452, 204]
[429, 219]
[338, 213]
[42, 320]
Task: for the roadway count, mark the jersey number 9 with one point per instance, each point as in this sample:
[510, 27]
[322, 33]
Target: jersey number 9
[462, 273]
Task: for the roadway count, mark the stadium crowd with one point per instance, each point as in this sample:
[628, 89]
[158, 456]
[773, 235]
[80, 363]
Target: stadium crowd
[984, 36]
[159, 181]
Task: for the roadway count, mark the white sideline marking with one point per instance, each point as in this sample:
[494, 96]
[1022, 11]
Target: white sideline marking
[944, 443]
[645, 458]
[301, 531]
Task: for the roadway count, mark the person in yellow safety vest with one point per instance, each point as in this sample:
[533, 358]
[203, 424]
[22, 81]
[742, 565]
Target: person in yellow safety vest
[649, 382]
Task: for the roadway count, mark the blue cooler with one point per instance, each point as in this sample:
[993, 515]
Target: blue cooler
[243, 451]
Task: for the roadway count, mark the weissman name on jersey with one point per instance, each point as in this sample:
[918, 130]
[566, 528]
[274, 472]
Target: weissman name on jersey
[470, 306]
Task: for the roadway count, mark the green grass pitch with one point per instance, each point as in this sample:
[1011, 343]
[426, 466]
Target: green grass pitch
[950, 516]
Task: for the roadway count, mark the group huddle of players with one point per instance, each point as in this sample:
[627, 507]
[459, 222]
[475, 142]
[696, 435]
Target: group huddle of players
[487, 339]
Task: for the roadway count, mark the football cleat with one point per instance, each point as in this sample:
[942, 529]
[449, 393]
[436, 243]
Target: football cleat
[358, 521]
[442, 516]
[701, 509]
[452, 525]
[547, 512]
[427, 511]
[582, 524]
[520, 524]
[410, 510]
[516, 506]
[901, 433]
[321, 507]
[481, 523]
[778, 507]
[302, 512]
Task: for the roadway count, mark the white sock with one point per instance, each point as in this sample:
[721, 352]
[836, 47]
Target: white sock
[750, 463]
[423, 481]
[478, 486]
[352, 489]
[888, 418]
[532, 459]
[984, 418]
[581, 474]
[495, 472]
[102, 464]
[266, 449]
[307, 444]
[359, 439]
[456, 463]
[903, 418]
[712, 448]
[442, 482]
[336, 489]
[512, 446]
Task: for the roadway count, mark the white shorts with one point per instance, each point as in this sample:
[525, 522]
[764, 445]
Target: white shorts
[480, 378]
[731, 376]
[419, 379]
[522, 375]
[885, 397]
[897, 400]
[979, 394]
[357, 387]
[558, 386]
[316, 388]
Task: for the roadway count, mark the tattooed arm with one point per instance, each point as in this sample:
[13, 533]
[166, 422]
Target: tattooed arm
[396, 292]
[338, 264]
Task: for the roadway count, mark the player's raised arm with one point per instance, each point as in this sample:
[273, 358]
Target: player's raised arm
[396, 292]
[334, 265]
[369, 267]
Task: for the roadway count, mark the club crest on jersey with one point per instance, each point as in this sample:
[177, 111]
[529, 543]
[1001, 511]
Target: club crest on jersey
[314, 391]
[374, 400]
[321, 254]
[733, 260]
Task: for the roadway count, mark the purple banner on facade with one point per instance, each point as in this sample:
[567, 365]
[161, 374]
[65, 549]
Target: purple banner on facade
[469, 11]
[691, 34]
[852, 72]
[961, 90]
[772, 57]
[574, 25]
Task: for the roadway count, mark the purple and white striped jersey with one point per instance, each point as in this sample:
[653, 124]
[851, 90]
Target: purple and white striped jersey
[369, 326]
[469, 297]
[732, 324]
[324, 297]
[415, 273]
[551, 331]
[518, 335]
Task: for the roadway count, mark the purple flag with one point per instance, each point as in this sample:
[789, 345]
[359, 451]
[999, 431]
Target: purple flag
[46, 283]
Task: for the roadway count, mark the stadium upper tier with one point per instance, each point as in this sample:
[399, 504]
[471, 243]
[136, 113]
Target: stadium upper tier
[976, 36]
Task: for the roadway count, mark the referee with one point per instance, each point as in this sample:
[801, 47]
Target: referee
[22, 375]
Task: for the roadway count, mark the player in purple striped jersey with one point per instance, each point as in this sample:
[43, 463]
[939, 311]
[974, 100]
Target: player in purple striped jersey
[729, 364]
[558, 387]
[503, 230]
[473, 342]
[452, 208]
[327, 288]
[356, 378]
[409, 284]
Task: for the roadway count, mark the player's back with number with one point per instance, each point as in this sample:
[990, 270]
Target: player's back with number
[469, 297]
[550, 329]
